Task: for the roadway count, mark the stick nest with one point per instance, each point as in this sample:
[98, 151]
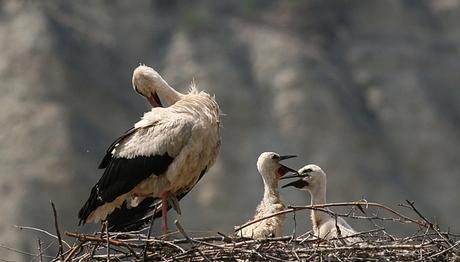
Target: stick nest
[375, 246]
[426, 243]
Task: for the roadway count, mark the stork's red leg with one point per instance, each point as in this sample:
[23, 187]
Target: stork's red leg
[164, 211]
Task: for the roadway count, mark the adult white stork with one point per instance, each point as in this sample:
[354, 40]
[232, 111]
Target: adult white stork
[313, 180]
[163, 156]
[269, 167]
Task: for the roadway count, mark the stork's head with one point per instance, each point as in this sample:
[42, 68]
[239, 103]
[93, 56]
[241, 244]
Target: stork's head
[312, 178]
[270, 168]
[146, 82]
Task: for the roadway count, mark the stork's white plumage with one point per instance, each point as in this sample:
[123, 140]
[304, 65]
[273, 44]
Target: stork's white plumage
[271, 170]
[324, 225]
[163, 155]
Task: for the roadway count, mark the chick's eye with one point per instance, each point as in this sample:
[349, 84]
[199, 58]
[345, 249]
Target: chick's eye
[275, 157]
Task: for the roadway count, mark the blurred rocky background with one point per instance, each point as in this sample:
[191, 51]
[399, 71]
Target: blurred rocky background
[366, 89]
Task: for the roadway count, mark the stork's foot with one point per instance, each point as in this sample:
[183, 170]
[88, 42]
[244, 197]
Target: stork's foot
[171, 199]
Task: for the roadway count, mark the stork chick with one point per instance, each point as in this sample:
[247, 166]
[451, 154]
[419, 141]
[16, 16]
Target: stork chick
[324, 225]
[271, 171]
[163, 156]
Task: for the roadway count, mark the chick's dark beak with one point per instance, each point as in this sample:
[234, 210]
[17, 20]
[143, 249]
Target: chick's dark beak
[283, 170]
[286, 157]
[296, 175]
[154, 100]
[298, 184]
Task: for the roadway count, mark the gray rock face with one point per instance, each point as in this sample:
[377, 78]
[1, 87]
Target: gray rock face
[368, 90]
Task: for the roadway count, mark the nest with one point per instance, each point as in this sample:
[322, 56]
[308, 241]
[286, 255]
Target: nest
[375, 246]
[426, 243]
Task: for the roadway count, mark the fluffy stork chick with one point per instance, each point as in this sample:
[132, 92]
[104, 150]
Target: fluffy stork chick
[324, 225]
[163, 156]
[271, 171]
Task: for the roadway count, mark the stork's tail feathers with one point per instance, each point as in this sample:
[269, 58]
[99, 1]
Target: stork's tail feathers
[89, 206]
[125, 219]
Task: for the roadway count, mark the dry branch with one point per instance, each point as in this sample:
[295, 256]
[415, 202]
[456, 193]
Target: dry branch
[58, 233]
[324, 207]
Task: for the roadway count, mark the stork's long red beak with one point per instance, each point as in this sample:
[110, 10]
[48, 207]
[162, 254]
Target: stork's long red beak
[154, 100]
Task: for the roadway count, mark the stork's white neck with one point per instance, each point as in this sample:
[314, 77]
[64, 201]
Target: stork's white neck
[271, 192]
[166, 92]
[318, 197]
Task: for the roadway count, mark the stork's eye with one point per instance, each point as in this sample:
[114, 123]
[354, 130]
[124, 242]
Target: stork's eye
[306, 171]
[275, 156]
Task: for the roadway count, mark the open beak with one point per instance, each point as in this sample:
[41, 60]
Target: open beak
[296, 175]
[154, 100]
[298, 184]
[283, 170]
[287, 157]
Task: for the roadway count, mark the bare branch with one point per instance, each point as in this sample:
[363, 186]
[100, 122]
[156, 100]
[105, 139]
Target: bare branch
[61, 249]
[40, 252]
[42, 231]
[323, 209]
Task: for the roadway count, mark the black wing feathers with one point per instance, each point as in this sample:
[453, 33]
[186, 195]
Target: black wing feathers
[108, 155]
[121, 176]
[135, 218]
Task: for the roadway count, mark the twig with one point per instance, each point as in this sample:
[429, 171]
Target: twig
[83, 238]
[321, 208]
[253, 241]
[295, 254]
[182, 231]
[149, 232]
[225, 237]
[61, 250]
[108, 242]
[432, 226]
[169, 243]
[42, 231]
[211, 238]
[73, 251]
[295, 225]
[380, 247]
[411, 203]
[21, 252]
[40, 253]
[405, 218]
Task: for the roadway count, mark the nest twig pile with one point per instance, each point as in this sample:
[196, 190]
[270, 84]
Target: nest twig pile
[427, 243]
[375, 246]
